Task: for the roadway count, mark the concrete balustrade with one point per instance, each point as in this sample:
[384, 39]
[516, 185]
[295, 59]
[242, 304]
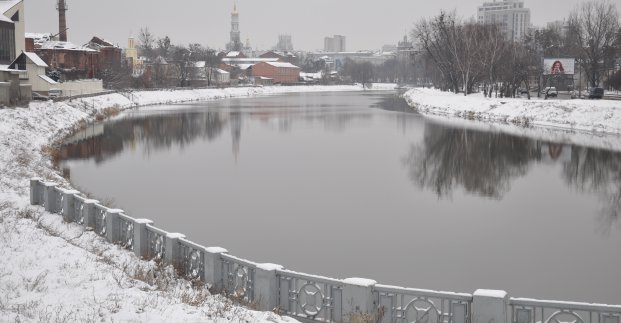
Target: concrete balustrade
[68, 204]
[141, 242]
[304, 296]
[112, 225]
[172, 254]
[49, 196]
[213, 267]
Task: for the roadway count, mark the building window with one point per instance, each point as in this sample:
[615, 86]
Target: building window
[15, 17]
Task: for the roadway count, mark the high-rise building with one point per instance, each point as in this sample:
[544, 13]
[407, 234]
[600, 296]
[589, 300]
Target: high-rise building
[511, 15]
[235, 43]
[284, 43]
[336, 44]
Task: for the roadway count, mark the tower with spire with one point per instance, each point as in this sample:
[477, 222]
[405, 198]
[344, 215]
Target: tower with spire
[235, 43]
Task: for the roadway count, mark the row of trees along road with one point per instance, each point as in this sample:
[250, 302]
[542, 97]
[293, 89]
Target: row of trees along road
[470, 54]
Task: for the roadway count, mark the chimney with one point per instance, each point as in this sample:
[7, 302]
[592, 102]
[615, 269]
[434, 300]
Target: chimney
[62, 20]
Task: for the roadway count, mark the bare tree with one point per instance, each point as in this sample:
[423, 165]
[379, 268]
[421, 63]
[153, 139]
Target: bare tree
[594, 26]
[146, 42]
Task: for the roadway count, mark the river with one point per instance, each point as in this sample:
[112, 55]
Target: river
[354, 184]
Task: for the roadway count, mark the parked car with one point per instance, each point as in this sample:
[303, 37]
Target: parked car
[550, 92]
[596, 93]
[55, 93]
[38, 97]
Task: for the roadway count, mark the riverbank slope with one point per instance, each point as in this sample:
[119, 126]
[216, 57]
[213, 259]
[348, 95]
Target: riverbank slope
[592, 116]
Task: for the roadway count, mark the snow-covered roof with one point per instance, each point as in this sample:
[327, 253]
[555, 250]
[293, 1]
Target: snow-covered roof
[47, 79]
[248, 60]
[35, 59]
[219, 71]
[38, 35]
[65, 46]
[281, 64]
[6, 5]
[245, 66]
[6, 68]
[315, 76]
[233, 54]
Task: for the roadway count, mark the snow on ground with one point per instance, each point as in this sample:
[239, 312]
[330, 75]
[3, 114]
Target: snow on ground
[590, 116]
[51, 271]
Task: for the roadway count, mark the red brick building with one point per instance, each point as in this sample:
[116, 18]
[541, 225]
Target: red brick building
[280, 72]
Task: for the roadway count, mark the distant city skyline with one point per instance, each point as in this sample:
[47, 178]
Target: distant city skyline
[308, 22]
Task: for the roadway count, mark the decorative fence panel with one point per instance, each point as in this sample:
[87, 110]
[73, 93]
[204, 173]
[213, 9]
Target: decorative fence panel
[310, 297]
[59, 197]
[396, 304]
[238, 277]
[79, 212]
[192, 259]
[100, 217]
[156, 242]
[126, 231]
[535, 311]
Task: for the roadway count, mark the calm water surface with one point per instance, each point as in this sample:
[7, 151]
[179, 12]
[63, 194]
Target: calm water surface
[354, 185]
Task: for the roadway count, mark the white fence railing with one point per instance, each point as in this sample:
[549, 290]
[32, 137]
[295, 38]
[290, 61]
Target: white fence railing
[306, 297]
[525, 310]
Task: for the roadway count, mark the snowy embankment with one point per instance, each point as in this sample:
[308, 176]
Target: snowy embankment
[586, 116]
[51, 271]
[144, 98]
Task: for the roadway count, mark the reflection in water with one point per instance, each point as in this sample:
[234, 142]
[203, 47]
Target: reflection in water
[480, 162]
[160, 132]
[597, 171]
[486, 163]
[152, 132]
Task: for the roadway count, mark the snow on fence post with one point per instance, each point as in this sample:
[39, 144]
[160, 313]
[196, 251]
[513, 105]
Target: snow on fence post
[112, 225]
[68, 208]
[49, 196]
[266, 286]
[141, 240]
[213, 267]
[35, 187]
[358, 299]
[171, 249]
[490, 306]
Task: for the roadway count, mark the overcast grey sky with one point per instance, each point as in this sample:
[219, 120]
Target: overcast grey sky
[366, 24]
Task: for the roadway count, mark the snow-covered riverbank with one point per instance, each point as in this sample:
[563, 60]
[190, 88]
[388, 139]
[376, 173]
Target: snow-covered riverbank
[52, 271]
[589, 116]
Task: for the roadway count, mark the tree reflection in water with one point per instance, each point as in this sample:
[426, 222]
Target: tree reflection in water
[486, 163]
[481, 162]
[597, 171]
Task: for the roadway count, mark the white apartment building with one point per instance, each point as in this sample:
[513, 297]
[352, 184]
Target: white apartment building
[511, 15]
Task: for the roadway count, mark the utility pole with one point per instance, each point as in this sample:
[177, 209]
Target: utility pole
[62, 8]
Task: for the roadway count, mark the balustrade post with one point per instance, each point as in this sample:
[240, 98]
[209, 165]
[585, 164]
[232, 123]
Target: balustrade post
[213, 267]
[89, 213]
[68, 201]
[358, 300]
[141, 241]
[49, 196]
[112, 225]
[266, 286]
[172, 254]
[490, 306]
[35, 187]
